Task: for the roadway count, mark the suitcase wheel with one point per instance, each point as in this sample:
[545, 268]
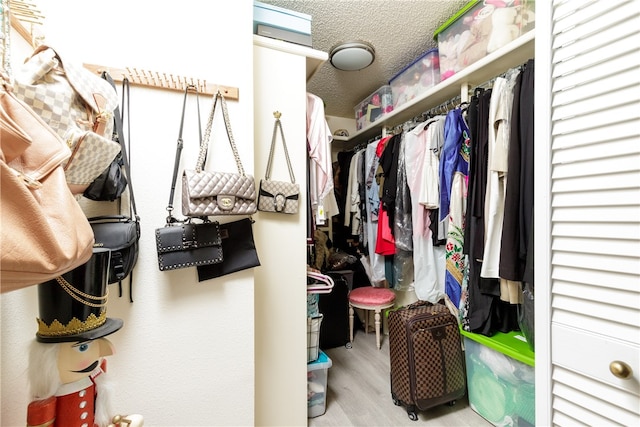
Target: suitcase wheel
[453, 402]
[411, 409]
[396, 401]
[411, 412]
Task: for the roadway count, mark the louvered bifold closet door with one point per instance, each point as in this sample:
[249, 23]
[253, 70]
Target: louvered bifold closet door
[595, 211]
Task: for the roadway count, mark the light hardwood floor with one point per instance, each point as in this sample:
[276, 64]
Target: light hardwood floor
[359, 393]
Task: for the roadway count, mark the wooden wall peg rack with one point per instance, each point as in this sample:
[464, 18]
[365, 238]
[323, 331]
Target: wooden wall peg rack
[26, 20]
[159, 80]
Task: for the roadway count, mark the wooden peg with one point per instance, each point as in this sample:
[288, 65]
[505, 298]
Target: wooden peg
[155, 79]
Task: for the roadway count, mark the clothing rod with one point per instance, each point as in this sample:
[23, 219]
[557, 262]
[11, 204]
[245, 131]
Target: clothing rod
[489, 83]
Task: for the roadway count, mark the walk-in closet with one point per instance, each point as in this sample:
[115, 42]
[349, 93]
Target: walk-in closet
[452, 121]
[507, 184]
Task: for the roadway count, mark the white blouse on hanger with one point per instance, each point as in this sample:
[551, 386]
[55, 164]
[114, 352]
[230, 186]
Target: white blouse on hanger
[428, 261]
[323, 199]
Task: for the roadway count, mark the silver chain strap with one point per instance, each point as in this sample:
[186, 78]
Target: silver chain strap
[207, 134]
[278, 125]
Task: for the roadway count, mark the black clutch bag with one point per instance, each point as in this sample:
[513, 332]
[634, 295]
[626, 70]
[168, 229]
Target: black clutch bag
[239, 250]
[182, 245]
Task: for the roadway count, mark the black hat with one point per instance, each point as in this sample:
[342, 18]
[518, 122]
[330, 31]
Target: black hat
[73, 307]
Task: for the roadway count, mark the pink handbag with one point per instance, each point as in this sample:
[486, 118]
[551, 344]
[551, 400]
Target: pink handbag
[44, 231]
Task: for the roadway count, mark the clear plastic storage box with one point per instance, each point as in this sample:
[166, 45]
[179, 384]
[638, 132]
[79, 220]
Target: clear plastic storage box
[416, 78]
[500, 378]
[317, 373]
[373, 107]
[480, 28]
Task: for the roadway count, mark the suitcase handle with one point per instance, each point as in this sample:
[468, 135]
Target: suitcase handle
[416, 304]
[419, 303]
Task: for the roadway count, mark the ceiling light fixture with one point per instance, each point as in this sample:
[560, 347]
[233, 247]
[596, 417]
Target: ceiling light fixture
[352, 56]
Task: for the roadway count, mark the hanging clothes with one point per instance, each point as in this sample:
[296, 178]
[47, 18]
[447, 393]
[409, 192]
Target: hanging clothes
[454, 158]
[418, 158]
[386, 179]
[323, 200]
[385, 242]
[389, 166]
[472, 122]
[518, 222]
[499, 141]
[362, 196]
[430, 192]
[474, 156]
[454, 167]
[372, 205]
[352, 214]
[402, 224]
[341, 170]
[491, 301]
[482, 292]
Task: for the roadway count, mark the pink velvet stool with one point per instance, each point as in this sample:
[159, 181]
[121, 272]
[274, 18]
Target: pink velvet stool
[370, 298]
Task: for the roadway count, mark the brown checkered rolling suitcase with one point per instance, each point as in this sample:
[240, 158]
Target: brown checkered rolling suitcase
[427, 363]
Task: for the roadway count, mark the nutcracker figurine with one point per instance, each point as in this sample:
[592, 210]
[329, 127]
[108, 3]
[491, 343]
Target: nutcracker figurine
[67, 369]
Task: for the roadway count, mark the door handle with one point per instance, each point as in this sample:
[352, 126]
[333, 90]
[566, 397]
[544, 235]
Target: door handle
[621, 370]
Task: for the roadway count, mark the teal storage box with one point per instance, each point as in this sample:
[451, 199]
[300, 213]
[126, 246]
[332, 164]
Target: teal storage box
[501, 378]
[317, 374]
[278, 17]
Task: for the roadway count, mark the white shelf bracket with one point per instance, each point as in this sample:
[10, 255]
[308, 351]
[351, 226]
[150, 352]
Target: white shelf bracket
[465, 88]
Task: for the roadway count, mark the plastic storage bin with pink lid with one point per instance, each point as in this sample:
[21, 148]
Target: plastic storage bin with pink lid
[416, 78]
[480, 28]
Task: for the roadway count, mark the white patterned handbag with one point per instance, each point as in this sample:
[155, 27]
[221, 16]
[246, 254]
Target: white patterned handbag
[278, 196]
[77, 105]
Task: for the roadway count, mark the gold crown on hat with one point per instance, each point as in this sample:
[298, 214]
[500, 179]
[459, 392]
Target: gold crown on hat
[75, 326]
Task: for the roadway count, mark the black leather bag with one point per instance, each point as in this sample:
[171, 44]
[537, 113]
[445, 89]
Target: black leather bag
[111, 183]
[188, 244]
[239, 250]
[120, 234]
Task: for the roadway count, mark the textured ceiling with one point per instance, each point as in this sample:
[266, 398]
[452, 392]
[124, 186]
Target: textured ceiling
[399, 30]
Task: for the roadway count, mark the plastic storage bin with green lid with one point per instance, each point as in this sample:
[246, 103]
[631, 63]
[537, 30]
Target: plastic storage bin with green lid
[500, 378]
[480, 28]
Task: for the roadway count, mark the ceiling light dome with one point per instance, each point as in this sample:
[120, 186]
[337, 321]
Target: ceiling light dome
[352, 56]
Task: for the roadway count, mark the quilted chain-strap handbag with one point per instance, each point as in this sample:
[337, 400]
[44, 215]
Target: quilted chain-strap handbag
[278, 196]
[206, 193]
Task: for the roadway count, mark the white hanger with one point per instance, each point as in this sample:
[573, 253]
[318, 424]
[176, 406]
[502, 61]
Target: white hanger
[323, 284]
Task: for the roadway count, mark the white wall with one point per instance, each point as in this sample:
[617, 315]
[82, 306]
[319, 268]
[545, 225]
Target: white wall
[185, 355]
[335, 123]
[281, 297]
